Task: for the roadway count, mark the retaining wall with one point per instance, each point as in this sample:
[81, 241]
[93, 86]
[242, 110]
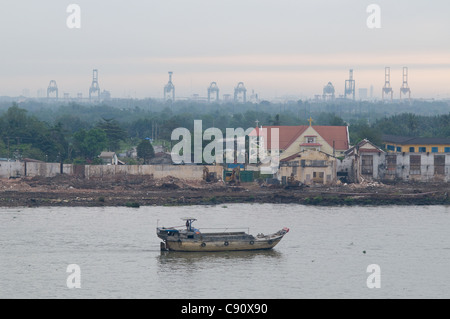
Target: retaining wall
[31, 169]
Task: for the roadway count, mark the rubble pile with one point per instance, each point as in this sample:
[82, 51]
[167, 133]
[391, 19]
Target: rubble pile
[365, 184]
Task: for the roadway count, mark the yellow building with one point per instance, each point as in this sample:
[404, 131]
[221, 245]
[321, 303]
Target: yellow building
[309, 167]
[400, 144]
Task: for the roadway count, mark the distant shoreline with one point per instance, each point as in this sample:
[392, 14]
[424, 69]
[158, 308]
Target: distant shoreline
[81, 193]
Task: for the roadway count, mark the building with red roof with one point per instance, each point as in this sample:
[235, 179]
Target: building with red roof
[332, 140]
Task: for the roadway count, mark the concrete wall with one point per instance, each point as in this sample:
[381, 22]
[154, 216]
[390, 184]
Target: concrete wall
[195, 172]
[187, 172]
[8, 169]
[42, 169]
[68, 169]
[31, 169]
[447, 168]
[346, 167]
[378, 163]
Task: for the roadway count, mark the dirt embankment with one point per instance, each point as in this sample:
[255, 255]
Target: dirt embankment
[135, 191]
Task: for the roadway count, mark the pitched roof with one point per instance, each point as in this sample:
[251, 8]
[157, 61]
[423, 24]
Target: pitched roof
[290, 158]
[403, 140]
[289, 134]
[338, 134]
[431, 140]
[360, 148]
[396, 138]
[107, 154]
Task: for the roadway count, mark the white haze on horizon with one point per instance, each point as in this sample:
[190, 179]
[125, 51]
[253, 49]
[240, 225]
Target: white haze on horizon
[276, 48]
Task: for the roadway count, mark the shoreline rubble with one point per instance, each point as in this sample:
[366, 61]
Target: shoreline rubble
[136, 191]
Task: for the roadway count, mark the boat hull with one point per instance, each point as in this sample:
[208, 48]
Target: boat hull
[214, 246]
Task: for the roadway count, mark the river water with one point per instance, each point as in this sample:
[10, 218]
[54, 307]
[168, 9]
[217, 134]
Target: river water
[325, 254]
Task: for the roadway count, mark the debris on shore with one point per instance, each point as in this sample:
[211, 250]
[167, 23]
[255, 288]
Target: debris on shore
[65, 190]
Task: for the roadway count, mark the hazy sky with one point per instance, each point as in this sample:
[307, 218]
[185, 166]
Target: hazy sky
[277, 47]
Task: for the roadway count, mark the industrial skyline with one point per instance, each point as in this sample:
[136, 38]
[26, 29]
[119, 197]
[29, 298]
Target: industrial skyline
[276, 48]
[240, 91]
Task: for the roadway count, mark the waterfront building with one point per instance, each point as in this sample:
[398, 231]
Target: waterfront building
[331, 140]
[403, 144]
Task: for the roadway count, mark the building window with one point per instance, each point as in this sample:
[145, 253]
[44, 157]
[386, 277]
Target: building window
[391, 148]
[434, 150]
[447, 150]
[439, 164]
[310, 139]
[367, 165]
[415, 164]
[399, 149]
[318, 177]
[391, 164]
[412, 149]
[422, 149]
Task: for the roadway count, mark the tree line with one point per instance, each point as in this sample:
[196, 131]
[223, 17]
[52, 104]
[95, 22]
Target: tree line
[24, 136]
[79, 133]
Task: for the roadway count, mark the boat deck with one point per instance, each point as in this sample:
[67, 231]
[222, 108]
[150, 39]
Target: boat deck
[225, 234]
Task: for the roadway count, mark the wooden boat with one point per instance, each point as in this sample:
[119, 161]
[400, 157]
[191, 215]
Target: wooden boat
[187, 238]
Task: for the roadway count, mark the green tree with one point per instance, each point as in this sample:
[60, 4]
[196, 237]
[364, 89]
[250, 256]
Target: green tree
[142, 128]
[361, 130]
[114, 133]
[145, 151]
[26, 136]
[337, 121]
[89, 144]
[4, 152]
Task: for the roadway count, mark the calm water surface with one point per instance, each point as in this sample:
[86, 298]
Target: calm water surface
[321, 257]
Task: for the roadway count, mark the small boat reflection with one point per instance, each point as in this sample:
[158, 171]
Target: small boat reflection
[193, 257]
